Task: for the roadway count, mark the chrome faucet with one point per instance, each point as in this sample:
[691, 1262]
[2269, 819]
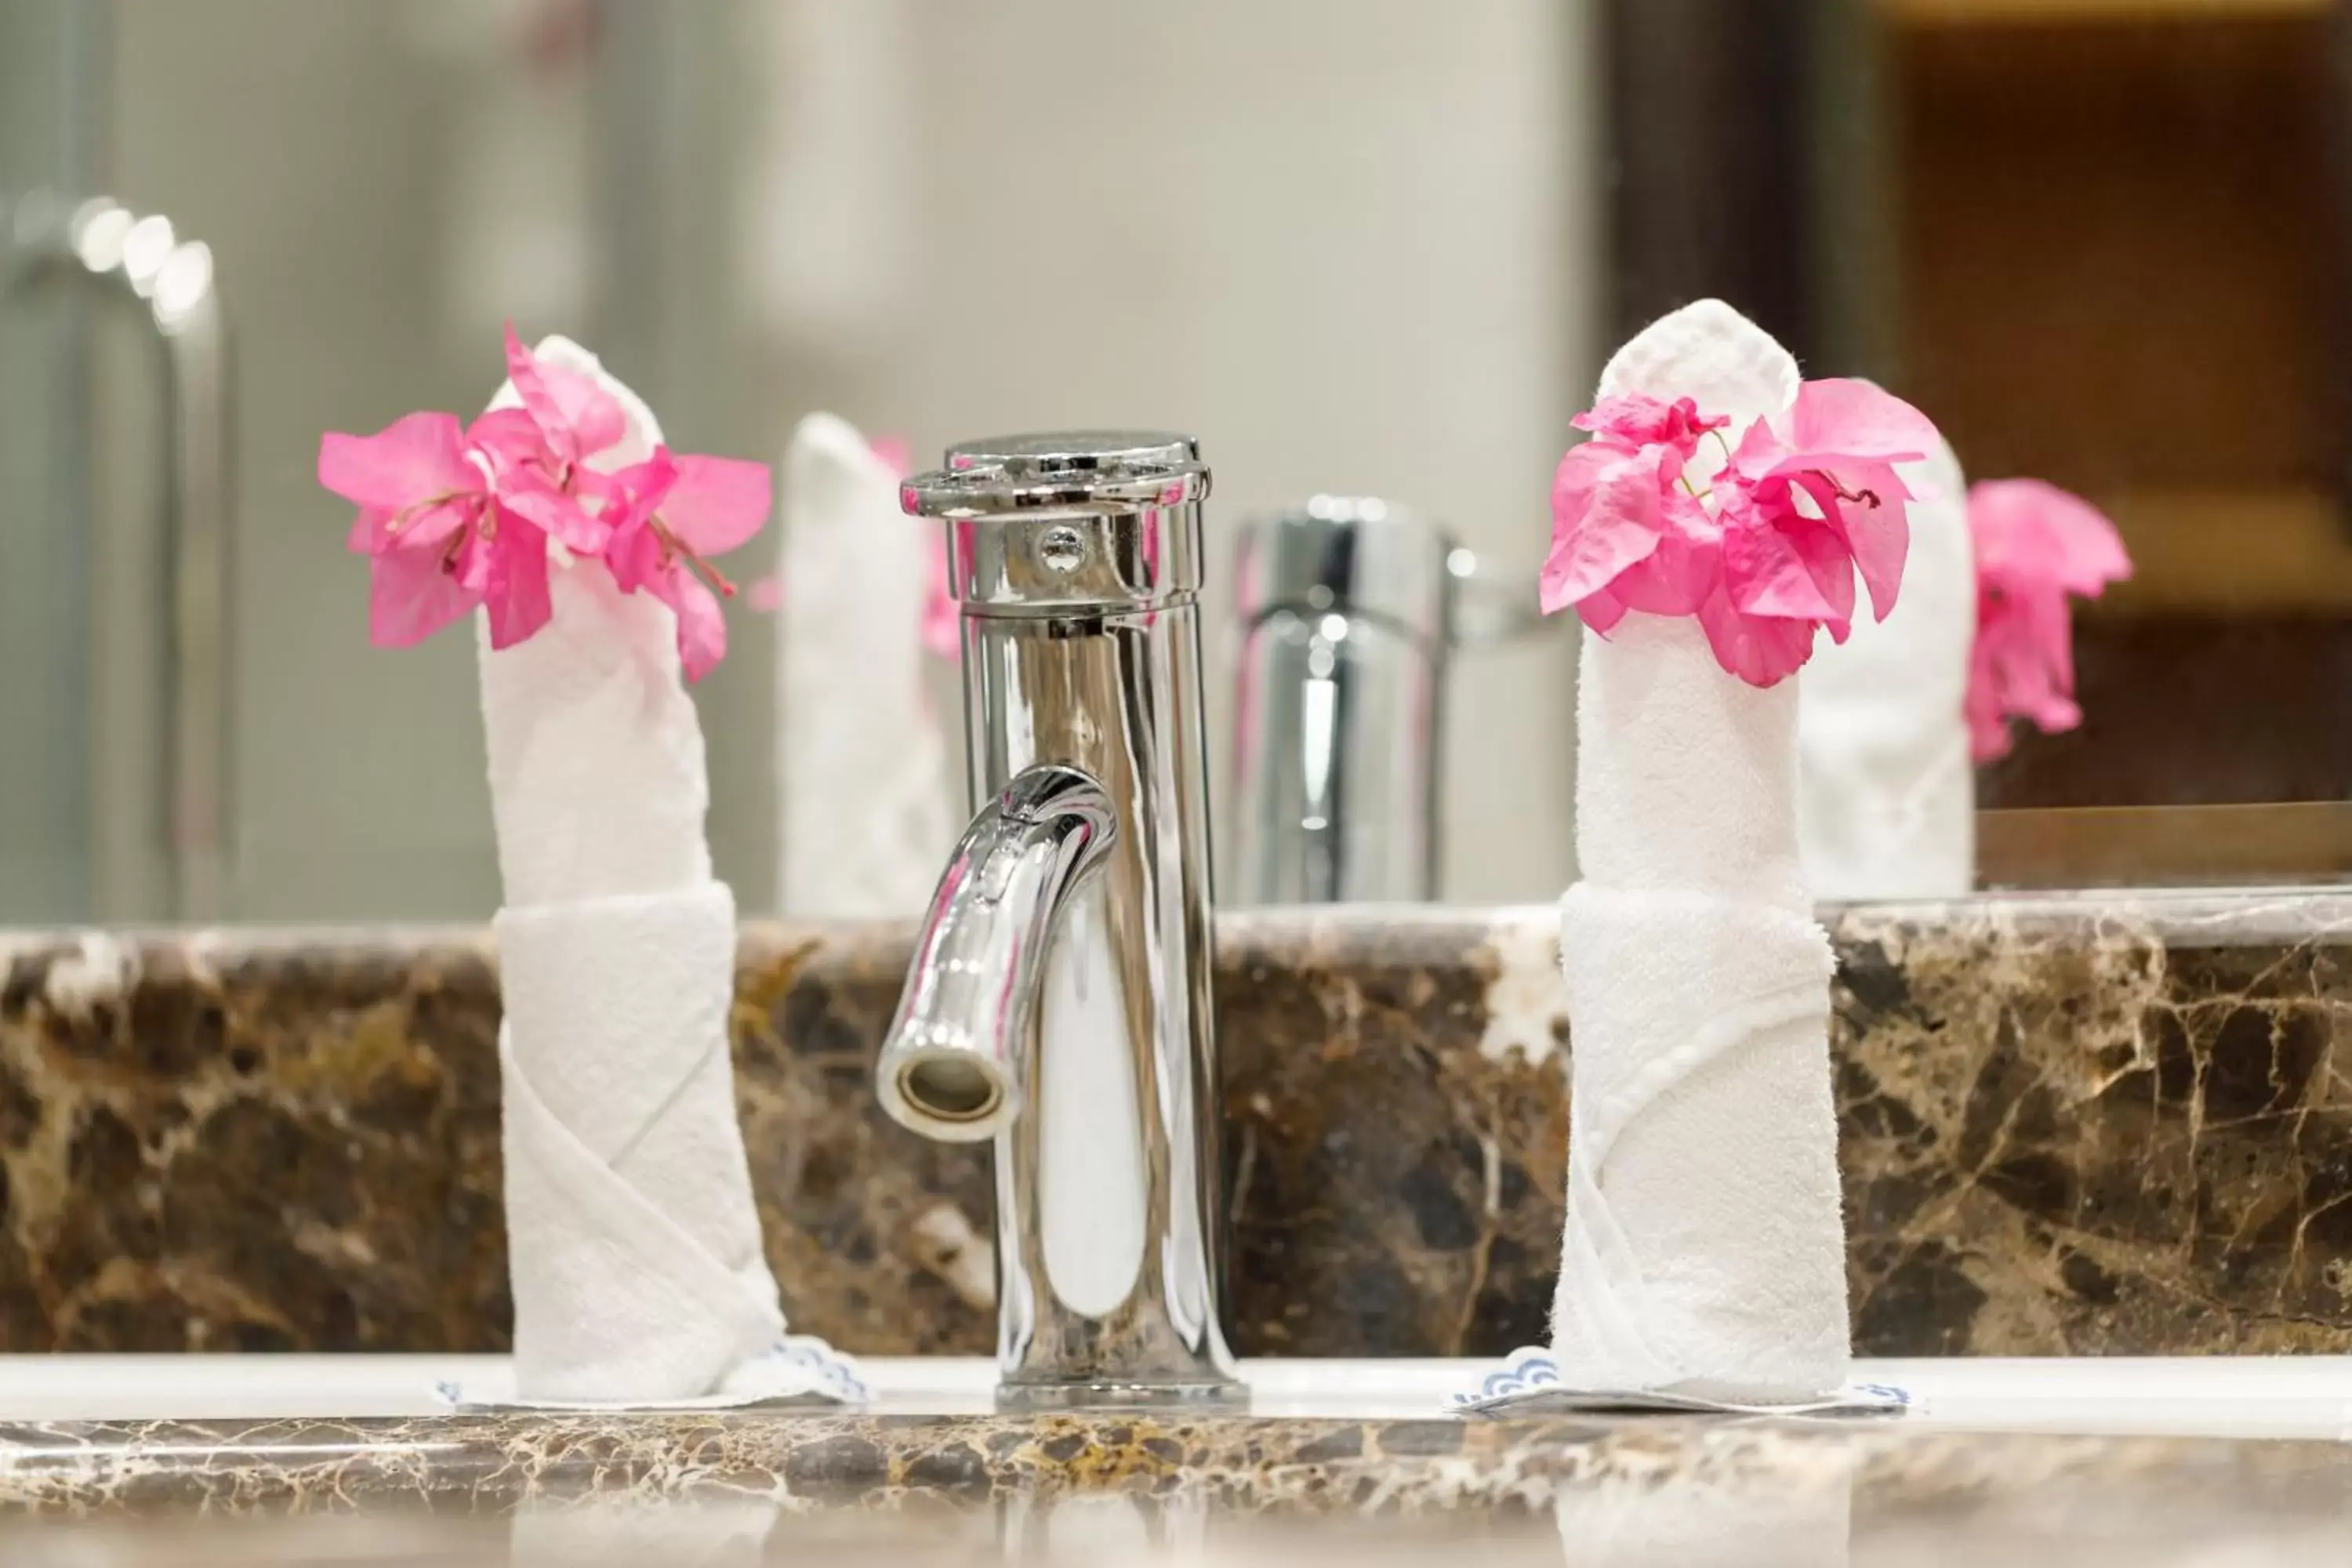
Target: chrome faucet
[1058, 1001]
[1351, 609]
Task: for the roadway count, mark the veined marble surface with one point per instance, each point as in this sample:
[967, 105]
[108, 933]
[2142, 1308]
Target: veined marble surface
[2106, 1124]
[2210, 1461]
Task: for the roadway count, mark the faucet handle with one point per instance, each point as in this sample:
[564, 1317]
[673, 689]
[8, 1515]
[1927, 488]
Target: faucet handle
[1068, 522]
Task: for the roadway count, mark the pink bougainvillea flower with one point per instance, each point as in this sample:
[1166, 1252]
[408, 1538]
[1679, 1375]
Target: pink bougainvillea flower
[1805, 511]
[1628, 532]
[674, 512]
[1845, 439]
[440, 538]
[2036, 545]
[1766, 553]
[452, 516]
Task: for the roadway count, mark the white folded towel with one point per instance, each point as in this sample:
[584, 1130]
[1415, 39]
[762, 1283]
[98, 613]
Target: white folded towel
[635, 1242]
[861, 760]
[1887, 800]
[1697, 1258]
[1705, 1251]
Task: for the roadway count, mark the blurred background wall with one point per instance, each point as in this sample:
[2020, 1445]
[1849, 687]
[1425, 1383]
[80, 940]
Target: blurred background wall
[1350, 248]
[1369, 245]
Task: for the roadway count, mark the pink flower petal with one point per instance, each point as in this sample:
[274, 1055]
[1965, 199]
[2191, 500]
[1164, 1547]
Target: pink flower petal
[367, 537]
[634, 557]
[376, 532]
[1787, 565]
[1676, 578]
[410, 598]
[1853, 418]
[716, 504]
[1602, 611]
[1606, 516]
[701, 629]
[517, 595]
[559, 516]
[509, 437]
[578, 417]
[1759, 650]
[1760, 452]
[1879, 536]
[633, 553]
[413, 460]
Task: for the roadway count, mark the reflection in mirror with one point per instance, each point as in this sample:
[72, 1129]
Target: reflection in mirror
[2094, 240]
[1795, 1514]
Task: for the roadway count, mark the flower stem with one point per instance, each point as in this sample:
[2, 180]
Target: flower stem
[675, 547]
[1837, 487]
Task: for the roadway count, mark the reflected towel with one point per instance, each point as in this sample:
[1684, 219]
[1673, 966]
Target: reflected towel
[634, 1240]
[861, 760]
[1886, 797]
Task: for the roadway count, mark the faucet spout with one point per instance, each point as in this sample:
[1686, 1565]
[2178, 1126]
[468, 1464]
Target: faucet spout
[954, 1063]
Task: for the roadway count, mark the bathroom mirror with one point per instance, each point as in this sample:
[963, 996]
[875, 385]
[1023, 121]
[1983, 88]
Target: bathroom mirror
[1359, 248]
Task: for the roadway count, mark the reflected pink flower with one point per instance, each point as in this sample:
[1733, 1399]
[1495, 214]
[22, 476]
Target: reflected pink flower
[2036, 545]
[896, 455]
[673, 513]
[942, 624]
[765, 595]
[455, 516]
[440, 537]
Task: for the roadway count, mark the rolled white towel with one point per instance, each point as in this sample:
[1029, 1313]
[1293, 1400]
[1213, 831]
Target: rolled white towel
[637, 1263]
[637, 1267]
[861, 759]
[1886, 797]
[1705, 1249]
[1704, 1253]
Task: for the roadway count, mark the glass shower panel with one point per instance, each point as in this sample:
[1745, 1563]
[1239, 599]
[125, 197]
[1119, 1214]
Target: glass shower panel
[48, 71]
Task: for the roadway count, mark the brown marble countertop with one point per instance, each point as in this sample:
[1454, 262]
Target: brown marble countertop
[2103, 1124]
[1609, 1490]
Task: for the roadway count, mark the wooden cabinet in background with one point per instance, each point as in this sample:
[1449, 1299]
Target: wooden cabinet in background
[2120, 264]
